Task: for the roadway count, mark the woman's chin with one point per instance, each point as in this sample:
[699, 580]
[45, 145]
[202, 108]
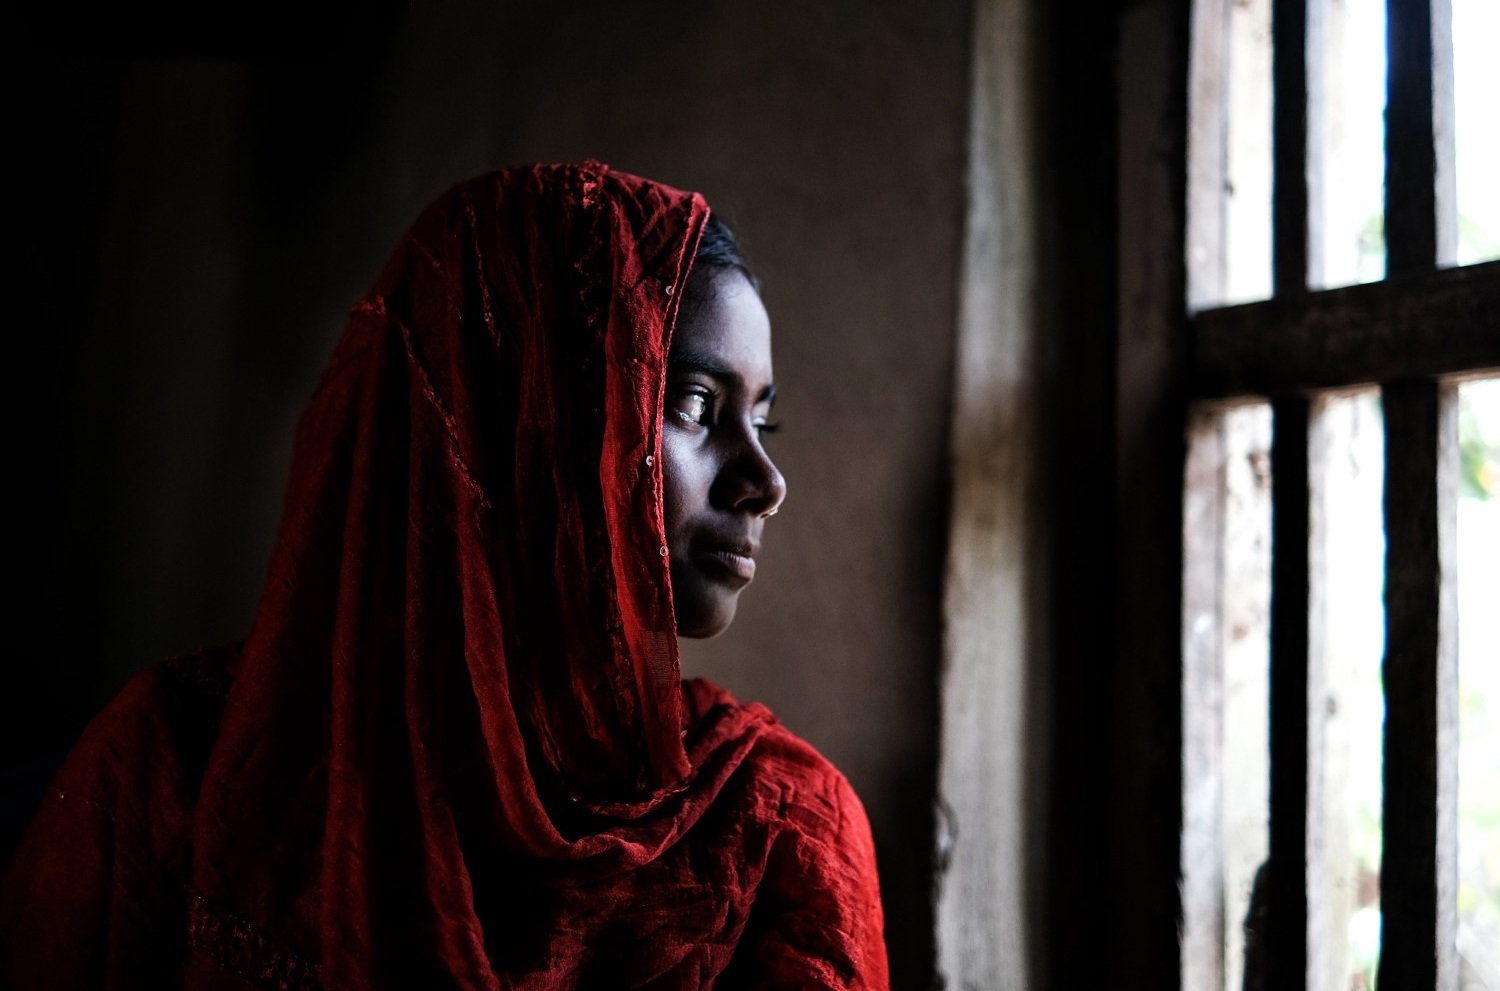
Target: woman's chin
[699, 620]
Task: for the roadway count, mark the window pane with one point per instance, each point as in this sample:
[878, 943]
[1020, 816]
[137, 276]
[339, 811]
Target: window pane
[1353, 142]
[1476, 84]
[1479, 684]
[1350, 469]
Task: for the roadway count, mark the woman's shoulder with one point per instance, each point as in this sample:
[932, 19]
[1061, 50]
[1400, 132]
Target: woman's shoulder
[817, 920]
[103, 862]
[789, 777]
[154, 736]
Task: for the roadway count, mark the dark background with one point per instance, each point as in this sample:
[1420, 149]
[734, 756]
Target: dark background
[200, 198]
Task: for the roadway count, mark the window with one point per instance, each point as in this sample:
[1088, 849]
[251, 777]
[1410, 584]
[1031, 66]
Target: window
[1324, 474]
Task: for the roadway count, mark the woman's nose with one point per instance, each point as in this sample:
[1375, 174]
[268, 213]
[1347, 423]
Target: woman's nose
[750, 482]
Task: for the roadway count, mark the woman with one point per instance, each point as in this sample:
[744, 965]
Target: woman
[454, 750]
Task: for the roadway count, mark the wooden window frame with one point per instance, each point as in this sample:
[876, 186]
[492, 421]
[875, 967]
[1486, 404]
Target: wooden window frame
[1415, 335]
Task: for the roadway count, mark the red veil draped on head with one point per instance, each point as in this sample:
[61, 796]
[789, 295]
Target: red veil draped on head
[454, 751]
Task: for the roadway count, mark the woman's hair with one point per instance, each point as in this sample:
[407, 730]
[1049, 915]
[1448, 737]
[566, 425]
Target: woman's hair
[719, 249]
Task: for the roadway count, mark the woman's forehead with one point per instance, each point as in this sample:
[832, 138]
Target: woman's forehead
[728, 325]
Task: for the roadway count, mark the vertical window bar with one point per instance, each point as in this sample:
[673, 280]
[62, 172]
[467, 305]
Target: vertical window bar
[1444, 139]
[1296, 45]
[1419, 872]
[1208, 155]
[1287, 962]
[1297, 114]
[1421, 200]
[1315, 846]
[1419, 861]
[1203, 522]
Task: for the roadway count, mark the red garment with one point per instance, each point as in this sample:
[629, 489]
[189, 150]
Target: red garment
[454, 751]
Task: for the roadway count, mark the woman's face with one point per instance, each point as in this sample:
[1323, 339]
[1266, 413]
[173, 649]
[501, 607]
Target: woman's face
[719, 483]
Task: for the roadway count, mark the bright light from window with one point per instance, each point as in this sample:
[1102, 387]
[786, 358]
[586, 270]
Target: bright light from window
[1479, 682]
[1476, 88]
[1353, 143]
[1351, 472]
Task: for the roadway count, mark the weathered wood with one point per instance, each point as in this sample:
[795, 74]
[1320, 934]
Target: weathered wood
[1324, 944]
[1203, 886]
[1287, 961]
[1418, 879]
[1436, 323]
[1208, 155]
[1444, 139]
[989, 926]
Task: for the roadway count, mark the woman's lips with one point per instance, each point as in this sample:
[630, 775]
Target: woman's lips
[731, 563]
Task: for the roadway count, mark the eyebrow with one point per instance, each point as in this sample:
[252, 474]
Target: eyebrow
[691, 361]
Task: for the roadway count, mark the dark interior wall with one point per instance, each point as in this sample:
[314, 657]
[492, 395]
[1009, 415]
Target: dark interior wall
[1078, 195]
[194, 230]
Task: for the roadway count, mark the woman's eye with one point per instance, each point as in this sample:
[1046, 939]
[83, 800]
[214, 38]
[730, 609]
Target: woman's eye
[693, 407]
[764, 428]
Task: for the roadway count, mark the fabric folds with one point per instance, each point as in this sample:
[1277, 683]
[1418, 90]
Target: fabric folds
[454, 750]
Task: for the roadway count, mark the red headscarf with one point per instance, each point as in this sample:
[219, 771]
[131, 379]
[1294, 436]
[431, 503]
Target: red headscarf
[454, 750]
